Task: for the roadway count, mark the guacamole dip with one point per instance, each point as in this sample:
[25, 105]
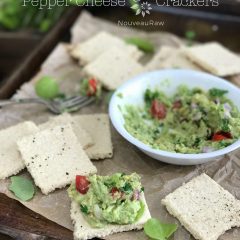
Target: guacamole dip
[108, 199]
[190, 121]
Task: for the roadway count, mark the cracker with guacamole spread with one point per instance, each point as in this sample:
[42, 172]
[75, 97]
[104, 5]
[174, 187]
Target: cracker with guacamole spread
[214, 58]
[98, 127]
[204, 208]
[11, 162]
[170, 57]
[89, 50]
[113, 68]
[54, 157]
[103, 205]
[83, 136]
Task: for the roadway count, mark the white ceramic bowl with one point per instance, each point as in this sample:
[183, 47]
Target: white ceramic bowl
[168, 81]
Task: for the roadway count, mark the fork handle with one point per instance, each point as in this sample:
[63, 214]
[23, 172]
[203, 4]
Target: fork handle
[4, 103]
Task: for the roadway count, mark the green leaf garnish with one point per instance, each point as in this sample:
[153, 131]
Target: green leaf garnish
[225, 125]
[84, 86]
[84, 209]
[142, 44]
[215, 92]
[22, 188]
[127, 187]
[154, 229]
[190, 36]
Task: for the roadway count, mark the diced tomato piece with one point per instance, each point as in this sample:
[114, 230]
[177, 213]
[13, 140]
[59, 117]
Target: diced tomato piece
[177, 104]
[158, 109]
[114, 190]
[228, 135]
[219, 136]
[92, 87]
[82, 184]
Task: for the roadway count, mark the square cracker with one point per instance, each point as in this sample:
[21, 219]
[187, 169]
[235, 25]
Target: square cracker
[11, 162]
[214, 58]
[170, 57]
[99, 128]
[113, 68]
[83, 136]
[89, 50]
[83, 231]
[159, 57]
[204, 208]
[54, 157]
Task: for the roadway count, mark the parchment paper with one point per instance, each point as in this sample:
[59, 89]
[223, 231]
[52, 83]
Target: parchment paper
[158, 178]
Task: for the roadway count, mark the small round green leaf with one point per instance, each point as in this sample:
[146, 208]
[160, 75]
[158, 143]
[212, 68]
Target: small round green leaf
[47, 88]
[22, 188]
[154, 229]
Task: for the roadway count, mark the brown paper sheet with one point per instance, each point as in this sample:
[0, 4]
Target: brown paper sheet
[158, 178]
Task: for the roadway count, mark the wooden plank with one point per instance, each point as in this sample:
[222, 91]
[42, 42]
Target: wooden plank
[23, 224]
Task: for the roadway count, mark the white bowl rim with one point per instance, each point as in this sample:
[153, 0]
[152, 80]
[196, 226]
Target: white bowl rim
[145, 147]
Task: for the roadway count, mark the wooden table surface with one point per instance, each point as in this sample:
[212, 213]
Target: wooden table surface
[23, 224]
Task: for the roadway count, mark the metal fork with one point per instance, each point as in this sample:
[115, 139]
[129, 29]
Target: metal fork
[56, 106]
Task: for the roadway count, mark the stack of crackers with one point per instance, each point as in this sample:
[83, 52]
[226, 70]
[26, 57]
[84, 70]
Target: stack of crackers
[56, 151]
[112, 61]
[108, 59]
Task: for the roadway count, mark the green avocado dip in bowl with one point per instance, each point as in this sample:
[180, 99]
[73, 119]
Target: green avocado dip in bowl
[190, 121]
[178, 116]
